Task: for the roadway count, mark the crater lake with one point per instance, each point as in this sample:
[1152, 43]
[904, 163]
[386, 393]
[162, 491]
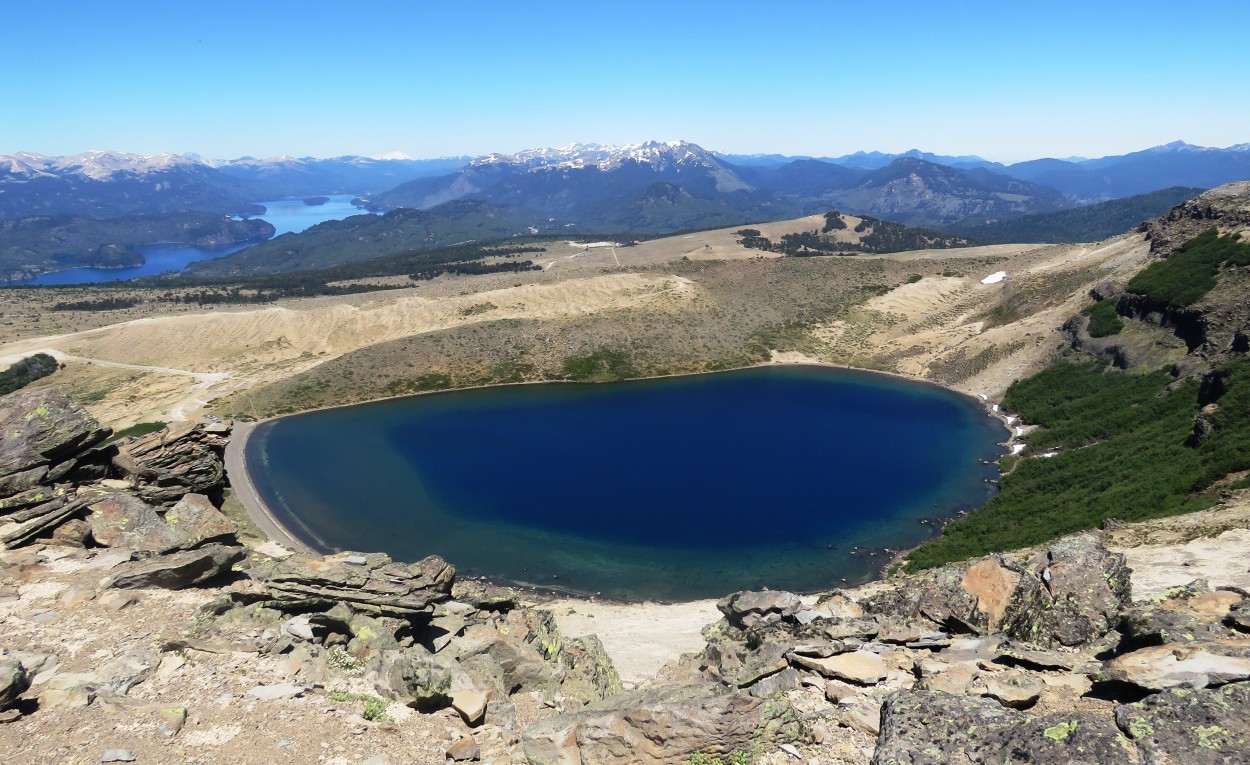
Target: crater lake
[790, 477]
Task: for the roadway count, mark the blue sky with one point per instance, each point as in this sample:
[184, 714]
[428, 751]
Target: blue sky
[227, 79]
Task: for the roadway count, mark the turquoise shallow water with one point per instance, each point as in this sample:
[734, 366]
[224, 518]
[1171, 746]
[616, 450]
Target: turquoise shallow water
[790, 477]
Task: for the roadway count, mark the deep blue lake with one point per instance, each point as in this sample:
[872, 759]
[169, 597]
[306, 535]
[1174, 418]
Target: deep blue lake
[788, 477]
[285, 215]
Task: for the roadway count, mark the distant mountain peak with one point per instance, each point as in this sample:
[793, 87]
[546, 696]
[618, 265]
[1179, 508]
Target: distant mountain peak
[1176, 146]
[604, 157]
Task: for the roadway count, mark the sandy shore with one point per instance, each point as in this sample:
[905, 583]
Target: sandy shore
[639, 637]
[245, 490]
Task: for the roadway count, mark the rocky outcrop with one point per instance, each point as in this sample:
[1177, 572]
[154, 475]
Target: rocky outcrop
[1071, 595]
[755, 609]
[370, 583]
[934, 728]
[184, 458]
[663, 726]
[43, 430]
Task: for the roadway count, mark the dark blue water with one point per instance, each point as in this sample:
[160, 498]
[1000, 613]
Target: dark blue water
[285, 215]
[788, 477]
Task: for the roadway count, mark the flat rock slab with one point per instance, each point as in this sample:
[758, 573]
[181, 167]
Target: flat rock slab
[275, 692]
[1195, 665]
[180, 570]
[863, 667]
[378, 586]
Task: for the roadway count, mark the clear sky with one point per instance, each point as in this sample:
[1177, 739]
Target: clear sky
[1008, 81]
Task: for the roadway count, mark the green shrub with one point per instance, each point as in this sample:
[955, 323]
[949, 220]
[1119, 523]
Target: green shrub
[26, 371]
[1191, 271]
[914, 278]
[1103, 320]
[1125, 449]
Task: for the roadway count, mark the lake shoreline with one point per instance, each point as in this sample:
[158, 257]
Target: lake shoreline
[265, 517]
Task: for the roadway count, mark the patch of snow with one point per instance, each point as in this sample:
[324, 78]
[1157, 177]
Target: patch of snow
[995, 277]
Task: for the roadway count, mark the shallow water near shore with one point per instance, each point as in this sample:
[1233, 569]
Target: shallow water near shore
[787, 477]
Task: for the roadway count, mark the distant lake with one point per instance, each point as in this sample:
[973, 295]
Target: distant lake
[788, 477]
[285, 215]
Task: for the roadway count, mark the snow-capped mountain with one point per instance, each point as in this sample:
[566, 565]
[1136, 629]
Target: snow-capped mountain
[96, 165]
[580, 155]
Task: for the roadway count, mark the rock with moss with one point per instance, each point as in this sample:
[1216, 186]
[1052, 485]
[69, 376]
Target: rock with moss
[1196, 727]
[1072, 594]
[44, 430]
[124, 520]
[935, 728]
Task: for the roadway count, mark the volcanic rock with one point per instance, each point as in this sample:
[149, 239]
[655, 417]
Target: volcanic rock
[1203, 727]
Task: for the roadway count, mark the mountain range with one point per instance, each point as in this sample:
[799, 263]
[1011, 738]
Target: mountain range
[644, 188]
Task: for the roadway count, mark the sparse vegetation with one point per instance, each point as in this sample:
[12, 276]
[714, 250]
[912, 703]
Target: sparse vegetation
[372, 707]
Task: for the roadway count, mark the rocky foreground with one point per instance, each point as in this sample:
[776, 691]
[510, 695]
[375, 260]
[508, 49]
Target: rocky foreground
[137, 627]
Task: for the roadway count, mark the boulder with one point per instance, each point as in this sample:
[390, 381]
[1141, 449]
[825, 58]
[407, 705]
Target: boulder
[757, 609]
[1183, 614]
[665, 725]
[181, 459]
[124, 520]
[484, 596]
[188, 568]
[125, 671]
[935, 728]
[1072, 594]
[464, 749]
[43, 431]
[14, 680]
[1196, 665]
[196, 521]
[1203, 727]
[379, 586]
[419, 679]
